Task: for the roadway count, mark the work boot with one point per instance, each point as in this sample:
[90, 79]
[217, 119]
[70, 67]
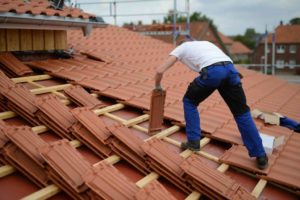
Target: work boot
[191, 145]
[262, 162]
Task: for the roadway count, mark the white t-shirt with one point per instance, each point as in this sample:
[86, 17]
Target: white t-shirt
[199, 54]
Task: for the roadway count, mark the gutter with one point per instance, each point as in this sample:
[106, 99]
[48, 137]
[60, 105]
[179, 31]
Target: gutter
[44, 22]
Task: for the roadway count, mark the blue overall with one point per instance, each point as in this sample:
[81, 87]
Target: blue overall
[225, 78]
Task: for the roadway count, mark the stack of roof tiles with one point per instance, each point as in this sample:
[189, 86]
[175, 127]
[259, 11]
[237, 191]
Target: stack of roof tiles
[12, 66]
[17, 98]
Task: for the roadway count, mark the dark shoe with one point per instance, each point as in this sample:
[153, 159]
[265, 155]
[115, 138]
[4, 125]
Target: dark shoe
[262, 162]
[191, 145]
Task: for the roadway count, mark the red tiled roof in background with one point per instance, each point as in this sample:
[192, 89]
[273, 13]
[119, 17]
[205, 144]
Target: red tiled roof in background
[225, 39]
[40, 7]
[286, 34]
[239, 48]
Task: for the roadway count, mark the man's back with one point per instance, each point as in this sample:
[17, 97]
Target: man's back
[199, 54]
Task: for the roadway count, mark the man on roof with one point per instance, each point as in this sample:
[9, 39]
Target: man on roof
[216, 72]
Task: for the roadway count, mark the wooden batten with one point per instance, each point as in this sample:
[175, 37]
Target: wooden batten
[25, 40]
[13, 40]
[2, 40]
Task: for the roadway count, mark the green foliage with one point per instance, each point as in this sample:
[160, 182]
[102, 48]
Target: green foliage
[295, 20]
[248, 38]
[194, 17]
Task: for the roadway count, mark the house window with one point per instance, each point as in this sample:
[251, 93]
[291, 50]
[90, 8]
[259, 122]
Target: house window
[293, 48]
[280, 64]
[292, 64]
[280, 49]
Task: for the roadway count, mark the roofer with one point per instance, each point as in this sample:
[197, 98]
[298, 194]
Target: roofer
[216, 71]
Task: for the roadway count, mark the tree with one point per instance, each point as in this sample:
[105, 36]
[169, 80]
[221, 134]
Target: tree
[295, 20]
[194, 17]
[248, 39]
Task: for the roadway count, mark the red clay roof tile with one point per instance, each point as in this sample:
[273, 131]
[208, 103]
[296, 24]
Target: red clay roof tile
[41, 7]
[21, 101]
[82, 98]
[17, 158]
[286, 168]
[128, 146]
[55, 114]
[165, 162]
[157, 110]
[212, 182]
[3, 138]
[108, 183]
[13, 66]
[92, 123]
[67, 162]
[238, 156]
[154, 191]
[28, 141]
[87, 138]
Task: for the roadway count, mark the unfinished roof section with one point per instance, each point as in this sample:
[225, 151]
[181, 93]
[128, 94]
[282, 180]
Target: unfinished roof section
[40, 14]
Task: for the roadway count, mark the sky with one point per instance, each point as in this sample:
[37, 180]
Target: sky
[231, 17]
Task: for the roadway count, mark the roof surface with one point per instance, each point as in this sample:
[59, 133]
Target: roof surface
[120, 65]
[239, 48]
[40, 7]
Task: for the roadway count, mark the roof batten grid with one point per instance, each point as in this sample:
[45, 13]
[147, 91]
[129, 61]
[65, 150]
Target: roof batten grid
[221, 165]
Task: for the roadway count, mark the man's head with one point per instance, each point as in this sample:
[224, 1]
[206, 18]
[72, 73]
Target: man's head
[187, 38]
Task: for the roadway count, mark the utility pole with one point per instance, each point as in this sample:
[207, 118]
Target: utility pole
[273, 51]
[174, 22]
[266, 51]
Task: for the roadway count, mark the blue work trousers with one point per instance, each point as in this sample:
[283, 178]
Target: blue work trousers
[290, 123]
[225, 78]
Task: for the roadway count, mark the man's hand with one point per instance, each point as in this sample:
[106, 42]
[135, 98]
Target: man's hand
[158, 88]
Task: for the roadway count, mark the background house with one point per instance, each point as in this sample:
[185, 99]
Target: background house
[287, 48]
[200, 30]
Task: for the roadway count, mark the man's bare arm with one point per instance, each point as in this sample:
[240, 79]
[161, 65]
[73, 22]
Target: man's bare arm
[161, 69]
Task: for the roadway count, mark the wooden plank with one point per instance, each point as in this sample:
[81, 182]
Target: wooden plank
[42, 86]
[44, 193]
[193, 196]
[136, 120]
[140, 128]
[114, 117]
[13, 40]
[39, 129]
[31, 78]
[111, 108]
[3, 46]
[147, 179]
[26, 40]
[208, 156]
[60, 39]
[75, 143]
[165, 133]
[49, 40]
[223, 167]
[112, 159]
[7, 115]
[6, 170]
[38, 40]
[259, 187]
[49, 89]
